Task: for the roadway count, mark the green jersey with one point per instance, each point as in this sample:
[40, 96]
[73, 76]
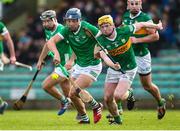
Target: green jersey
[63, 47]
[139, 49]
[82, 44]
[3, 31]
[120, 47]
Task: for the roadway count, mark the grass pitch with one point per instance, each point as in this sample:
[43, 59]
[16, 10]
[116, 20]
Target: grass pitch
[48, 120]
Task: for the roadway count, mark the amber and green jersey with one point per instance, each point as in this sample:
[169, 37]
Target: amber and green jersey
[120, 48]
[139, 49]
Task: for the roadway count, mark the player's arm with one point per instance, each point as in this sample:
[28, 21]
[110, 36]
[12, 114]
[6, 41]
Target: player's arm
[152, 36]
[108, 61]
[97, 52]
[51, 44]
[42, 56]
[148, 39]
[7, 38]
[141, 25]
[70, 62]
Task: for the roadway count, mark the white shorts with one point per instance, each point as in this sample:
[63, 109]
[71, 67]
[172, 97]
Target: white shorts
[116, 76]
[144, 64]
[92, 71]
[1, 65]
[59, 71]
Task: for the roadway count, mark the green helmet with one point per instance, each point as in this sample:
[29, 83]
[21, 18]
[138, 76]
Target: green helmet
[48, 14]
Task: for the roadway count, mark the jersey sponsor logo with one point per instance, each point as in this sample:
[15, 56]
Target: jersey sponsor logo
[78, 38]
[114, 44]
[131, 28]
[123, 40]
[121, 49]
[108, 47]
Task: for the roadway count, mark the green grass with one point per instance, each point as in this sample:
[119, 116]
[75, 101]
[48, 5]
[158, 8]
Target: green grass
[46, 120]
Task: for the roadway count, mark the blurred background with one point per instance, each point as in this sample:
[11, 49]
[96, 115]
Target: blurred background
[22, 20]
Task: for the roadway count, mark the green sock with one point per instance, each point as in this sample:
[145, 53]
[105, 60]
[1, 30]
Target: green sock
[119, 104]
[117, 119]
[161, 102]
[130, 94]
[63, 99]
[94, 103]
[85, 117]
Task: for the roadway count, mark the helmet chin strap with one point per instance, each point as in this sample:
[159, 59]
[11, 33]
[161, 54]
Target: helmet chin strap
[110, 33]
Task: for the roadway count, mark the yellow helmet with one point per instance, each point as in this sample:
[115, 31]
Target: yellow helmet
[105, 19]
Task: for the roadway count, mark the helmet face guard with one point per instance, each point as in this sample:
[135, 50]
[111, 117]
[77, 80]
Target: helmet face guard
[73, 13]
[49, 14]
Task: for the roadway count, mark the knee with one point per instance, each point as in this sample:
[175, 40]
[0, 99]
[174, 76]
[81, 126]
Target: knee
[72, 95]
[119, 96]
[45, 86]
[108, 98]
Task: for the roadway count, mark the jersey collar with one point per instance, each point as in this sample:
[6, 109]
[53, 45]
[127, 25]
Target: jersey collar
[78, 29]
[114, 36]
[55, 28]
[132, 17]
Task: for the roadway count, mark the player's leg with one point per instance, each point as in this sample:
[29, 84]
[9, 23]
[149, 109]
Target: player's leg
[123, 90]
[120, 108]
[149, 86]
[144, 70]
[3, 105]
[1, 62]
[49, 86]
[80, 107]
[65, 86]
[85, 81]
[77, 102]
[111, 103]
[85, 76]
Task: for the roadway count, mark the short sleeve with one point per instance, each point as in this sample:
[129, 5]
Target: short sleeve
[92, 28]
[3, 29]
[128, 29]
[62, 33]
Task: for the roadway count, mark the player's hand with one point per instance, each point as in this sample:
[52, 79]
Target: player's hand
[97, 55]
[69, 65]
[106, 51]
[134, 40]
[39, 65]
[12, 59]
[117, 66]
[56, 59]
[159, 25]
